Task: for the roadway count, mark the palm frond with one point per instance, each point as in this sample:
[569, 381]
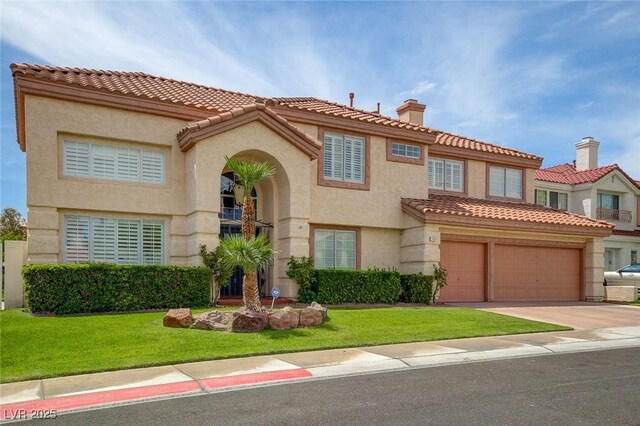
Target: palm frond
[251, 255]
[250, 172]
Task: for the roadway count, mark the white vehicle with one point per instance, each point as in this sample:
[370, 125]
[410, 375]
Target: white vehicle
[629, 275]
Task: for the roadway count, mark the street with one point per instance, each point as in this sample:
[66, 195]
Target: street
[601, 387]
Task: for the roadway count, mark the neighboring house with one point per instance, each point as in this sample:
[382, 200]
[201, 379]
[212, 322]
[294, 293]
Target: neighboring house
[605, 193]
[130, 168]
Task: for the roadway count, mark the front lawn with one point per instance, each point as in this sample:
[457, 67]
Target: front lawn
[40, 347]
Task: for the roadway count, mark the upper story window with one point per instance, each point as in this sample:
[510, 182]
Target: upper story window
[111, 240]
[553, 199]
[404, 150]
[344, 157]
[113, 163]
[447, 175]
[608, 201]
[609, 209]
[505, 182]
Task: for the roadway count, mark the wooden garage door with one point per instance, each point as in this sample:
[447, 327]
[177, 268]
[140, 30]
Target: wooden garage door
[465, 265]
[536, 273]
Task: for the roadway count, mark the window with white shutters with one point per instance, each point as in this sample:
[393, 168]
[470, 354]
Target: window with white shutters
[344, 158]
[504, 182]
[334, 249]
[446, 175]
[110, 240]
[114, 163]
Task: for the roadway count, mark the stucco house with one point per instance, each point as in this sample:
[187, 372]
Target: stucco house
[599, 192]
[130, 168]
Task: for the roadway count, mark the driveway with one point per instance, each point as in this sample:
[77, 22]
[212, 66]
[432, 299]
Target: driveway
[578, 315]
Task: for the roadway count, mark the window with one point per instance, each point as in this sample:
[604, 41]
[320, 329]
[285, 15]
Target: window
[404, 150]
[634, 256]
[114, 163]
[608, 201]
[505, 182]
[110, 240]
[447, 175]
[334, 249]
[344, 158]
[553, 199]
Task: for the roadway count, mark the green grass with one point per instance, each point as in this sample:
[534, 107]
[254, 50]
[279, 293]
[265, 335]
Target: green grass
[40, 347]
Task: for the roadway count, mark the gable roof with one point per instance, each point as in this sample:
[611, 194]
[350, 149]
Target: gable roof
[566, 173]
[194, 132]
[197, 101]
[501, 215]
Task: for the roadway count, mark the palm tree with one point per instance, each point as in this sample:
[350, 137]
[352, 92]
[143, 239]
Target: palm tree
[251, 255]
[250, 173]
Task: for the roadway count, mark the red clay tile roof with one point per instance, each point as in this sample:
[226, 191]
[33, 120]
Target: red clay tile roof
[450, 139]
[500, 210]
[141, 85]
[236, 112]
[567, 173]
[162, 89]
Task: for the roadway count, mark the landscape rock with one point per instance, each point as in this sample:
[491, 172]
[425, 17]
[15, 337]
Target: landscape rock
[321, 308]
[246, 321]
[285, 319]
[213, 320]
[310, 317]
[177, 318]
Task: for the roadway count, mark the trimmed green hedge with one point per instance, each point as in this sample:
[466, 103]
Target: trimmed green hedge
[99, 287]
[417, 288]
[371, 286]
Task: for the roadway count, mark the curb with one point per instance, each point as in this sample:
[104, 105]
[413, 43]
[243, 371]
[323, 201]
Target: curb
[49, 408]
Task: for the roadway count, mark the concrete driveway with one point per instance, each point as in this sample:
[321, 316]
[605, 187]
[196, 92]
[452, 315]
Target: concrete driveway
[578, 315]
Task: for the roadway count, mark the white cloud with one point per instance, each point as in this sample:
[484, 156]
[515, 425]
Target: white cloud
[419, 88]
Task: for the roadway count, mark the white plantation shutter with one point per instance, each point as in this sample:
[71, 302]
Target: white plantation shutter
[76, 158]
[152, 242]
[436, 173]
[104, 234]
[333, 156]
[324, 249]
[496, 181]
[344, 157]
[103, 161]
[513, 183]
[453, 175]
[353, 159]
[128, 244]
[345, 250]
[152, 164]
[76, 239]
[128, 164]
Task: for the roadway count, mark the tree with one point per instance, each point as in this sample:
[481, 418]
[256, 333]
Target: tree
[250, 173]
[220, 271]
[251, 255]
[12, 226]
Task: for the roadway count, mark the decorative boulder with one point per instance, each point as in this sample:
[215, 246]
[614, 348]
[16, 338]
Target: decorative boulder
[178, 318]
[214, 320]
[310, 317]
[246, 321]
[284, 319]
[321, 308]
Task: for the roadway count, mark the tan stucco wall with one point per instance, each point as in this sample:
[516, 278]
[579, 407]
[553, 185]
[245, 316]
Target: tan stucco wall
[49, 192]
[380, 248]
[476, 179]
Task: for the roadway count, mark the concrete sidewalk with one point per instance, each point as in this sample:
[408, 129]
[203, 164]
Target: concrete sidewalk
[20, 400]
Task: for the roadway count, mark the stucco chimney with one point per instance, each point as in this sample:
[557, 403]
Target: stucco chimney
[411, 112]
[587, 153]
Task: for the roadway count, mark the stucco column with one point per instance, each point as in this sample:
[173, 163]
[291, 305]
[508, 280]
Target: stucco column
[293, 240]
[594, 270]
[44, 237]
[15, 255]
[419, 248]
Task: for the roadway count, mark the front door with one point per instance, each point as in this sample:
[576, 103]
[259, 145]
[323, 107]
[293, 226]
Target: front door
[234, 288]
[609, 260]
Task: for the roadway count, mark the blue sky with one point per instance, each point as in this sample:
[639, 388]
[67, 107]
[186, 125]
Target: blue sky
[533, 76]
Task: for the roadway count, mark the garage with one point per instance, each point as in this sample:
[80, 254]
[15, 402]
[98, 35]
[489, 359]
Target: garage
[525, 273]
[465, 264]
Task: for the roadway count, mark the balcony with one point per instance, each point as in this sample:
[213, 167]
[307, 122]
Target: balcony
[615, 215]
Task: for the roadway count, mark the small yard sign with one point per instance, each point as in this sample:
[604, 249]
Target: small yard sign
[275, 293]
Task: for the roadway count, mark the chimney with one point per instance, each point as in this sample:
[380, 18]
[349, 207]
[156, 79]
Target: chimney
[411, 112]
[587, 154]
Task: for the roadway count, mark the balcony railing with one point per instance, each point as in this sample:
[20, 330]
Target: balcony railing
[615, 215]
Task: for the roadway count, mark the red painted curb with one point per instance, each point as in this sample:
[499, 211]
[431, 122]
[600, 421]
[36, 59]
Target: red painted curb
[246, 379]
[27, 409]
[64, 403]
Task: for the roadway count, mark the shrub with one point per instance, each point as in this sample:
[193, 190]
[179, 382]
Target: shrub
[97, 287]
[371, 286]
[221, 272]
[440, 278]
[417, 288]
[302, 272]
